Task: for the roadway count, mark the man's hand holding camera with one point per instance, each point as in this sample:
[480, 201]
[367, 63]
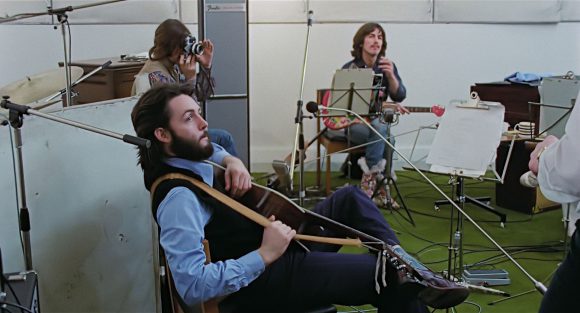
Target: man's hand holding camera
[187, 61]
[206, 57]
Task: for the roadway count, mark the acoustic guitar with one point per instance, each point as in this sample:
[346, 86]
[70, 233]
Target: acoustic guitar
[261, 202]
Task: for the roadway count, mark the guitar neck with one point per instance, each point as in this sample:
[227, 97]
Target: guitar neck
[419, 109]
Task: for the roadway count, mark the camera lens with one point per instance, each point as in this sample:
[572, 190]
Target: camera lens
[197, 49]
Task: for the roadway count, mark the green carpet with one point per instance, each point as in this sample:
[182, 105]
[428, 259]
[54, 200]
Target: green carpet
[535, 241]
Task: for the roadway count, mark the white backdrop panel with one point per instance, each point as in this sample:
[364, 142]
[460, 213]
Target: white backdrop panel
[497, 11]
[90, 219]
[126, 12]
[294, 11]
[570, 11]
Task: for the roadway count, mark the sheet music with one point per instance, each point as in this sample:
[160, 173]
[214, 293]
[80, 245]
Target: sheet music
[363, 82]
[467, 140]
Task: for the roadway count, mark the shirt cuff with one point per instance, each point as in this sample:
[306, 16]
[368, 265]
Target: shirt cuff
[219, 153]
[253, 264]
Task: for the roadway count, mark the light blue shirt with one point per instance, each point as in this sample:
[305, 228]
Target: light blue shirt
[182, 218]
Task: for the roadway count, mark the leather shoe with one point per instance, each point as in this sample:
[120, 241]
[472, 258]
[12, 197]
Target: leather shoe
[429, 287]
[440, 293]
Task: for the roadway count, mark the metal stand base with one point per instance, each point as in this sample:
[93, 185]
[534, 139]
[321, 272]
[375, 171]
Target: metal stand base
[477, 201]
[387, 182]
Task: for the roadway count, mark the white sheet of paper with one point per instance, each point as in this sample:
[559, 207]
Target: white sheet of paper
[466, 140]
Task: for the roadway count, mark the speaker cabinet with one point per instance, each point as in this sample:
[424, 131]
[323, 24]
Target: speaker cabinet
[511, 194]
[23, 290]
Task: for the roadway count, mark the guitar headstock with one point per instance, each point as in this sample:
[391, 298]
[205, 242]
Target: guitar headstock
[438, 110]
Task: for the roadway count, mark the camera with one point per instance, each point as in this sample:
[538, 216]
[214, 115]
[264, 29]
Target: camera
[192, 46]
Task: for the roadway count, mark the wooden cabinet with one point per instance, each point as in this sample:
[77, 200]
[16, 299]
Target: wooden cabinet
[113, 82]
[515, 98]
[511, 194]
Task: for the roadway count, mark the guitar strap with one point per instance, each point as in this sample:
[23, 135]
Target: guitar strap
[238, 207]
[380, 277]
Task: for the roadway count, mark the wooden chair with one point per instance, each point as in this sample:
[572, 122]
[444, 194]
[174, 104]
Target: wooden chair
[211, 306]
[331, 145]
[176, 304]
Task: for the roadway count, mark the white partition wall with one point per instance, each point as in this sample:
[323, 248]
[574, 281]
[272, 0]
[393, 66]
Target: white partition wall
[90, 216]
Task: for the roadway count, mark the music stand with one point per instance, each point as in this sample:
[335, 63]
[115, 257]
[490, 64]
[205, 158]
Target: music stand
[346, 84]
[456, 153]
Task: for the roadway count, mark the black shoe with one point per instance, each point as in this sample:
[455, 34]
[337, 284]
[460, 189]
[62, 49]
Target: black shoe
[439, 292]
[429, 287]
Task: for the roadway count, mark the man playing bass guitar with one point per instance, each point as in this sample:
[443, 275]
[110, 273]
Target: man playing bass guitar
[260, 269]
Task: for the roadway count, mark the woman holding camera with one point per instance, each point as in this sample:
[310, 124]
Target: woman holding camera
[173, 60]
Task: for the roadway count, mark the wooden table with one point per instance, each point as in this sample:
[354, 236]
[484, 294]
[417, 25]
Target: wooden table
[113, 82]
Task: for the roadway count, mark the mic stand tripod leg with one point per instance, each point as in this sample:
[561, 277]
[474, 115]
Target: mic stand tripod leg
[389, 180]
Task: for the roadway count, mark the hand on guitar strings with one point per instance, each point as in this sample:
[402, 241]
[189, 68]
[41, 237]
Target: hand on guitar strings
[396, 106]
[275, 240]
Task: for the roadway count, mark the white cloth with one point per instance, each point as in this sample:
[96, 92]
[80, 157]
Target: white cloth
[559, 168]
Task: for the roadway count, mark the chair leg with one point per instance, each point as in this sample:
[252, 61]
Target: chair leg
[318, 167]
[327, 186]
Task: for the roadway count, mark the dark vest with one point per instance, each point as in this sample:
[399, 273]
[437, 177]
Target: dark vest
[230, 234]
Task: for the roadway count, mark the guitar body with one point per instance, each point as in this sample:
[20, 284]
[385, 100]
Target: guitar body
[268, 202]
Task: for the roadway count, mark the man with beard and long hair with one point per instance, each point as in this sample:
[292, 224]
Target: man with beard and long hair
[259, 269]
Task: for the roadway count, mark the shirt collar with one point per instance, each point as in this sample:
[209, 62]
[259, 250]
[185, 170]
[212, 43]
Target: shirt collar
[204, 170]
[360, 63]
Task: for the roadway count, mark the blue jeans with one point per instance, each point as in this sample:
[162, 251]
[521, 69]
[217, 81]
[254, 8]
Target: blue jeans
[360, 133]
[223, 138]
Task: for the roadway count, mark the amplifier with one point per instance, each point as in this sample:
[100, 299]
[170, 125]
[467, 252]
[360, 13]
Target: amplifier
[511, 194]
[25, 287]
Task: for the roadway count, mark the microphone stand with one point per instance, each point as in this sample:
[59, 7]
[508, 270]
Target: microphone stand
[62, 20]
[537, 284]
[299, 134]
[80, 80]
[388, 116]
[16, 119]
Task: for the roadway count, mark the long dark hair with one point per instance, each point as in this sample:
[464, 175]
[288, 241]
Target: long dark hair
[359, 39]
[169, 35]
[150, 113]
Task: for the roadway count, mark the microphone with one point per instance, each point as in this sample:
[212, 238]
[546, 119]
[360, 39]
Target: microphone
[313, 107]
[528, 179]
